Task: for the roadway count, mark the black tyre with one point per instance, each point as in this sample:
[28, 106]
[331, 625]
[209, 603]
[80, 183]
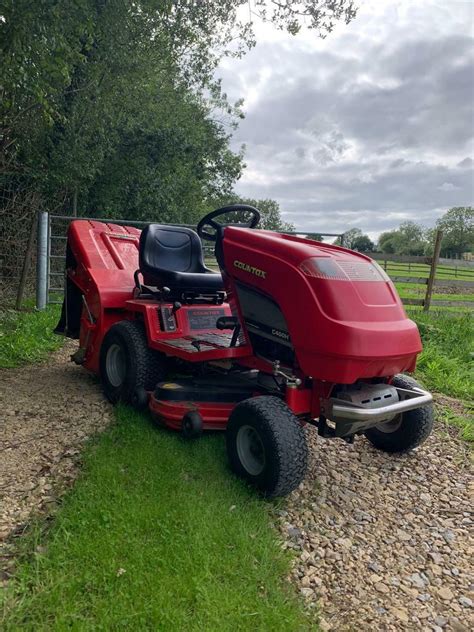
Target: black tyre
[139, 398]
[128, 367]
[266, 445]
[406, 431]
[192, 425]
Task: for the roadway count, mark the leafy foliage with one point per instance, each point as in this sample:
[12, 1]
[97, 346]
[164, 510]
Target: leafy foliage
[408, 239]
[446, 363]
[317, 15]
[458, 230]
[356, 240]
[269, 210]
[27, 336]
[115, 103]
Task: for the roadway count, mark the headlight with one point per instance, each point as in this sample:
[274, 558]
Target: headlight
[342, 269]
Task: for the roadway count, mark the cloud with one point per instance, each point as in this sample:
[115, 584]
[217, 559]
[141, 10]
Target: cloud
[372, 126]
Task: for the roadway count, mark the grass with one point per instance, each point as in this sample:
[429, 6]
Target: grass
[27, 336]
[446, 363]
[413, 290]
[155, 535]
[462, 421]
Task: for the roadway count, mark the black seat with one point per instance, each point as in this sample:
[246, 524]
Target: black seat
[171, 256]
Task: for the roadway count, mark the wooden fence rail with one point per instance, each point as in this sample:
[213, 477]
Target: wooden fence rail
[437, 282]
[397, 265]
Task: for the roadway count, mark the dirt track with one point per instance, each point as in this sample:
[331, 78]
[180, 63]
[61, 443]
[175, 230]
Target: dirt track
[383, 543]
[48, 411]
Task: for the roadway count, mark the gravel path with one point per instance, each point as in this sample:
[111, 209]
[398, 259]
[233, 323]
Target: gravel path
[385, 542]
[47, 412]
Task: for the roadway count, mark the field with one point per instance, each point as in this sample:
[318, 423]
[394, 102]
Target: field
[454, 284]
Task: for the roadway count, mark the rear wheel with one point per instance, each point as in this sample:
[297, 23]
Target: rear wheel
[266, 445]
[406, 431]
[128, 367]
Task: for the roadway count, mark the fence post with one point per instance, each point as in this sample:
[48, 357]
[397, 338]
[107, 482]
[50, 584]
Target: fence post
[42, 261]
[432, 277]
[26, 264]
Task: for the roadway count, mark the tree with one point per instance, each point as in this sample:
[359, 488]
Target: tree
[348, 238]
[363, 243]
[409, 239]
[116, 103]
[388, 241]
[355, 239]
[269, 210]
[457, 225]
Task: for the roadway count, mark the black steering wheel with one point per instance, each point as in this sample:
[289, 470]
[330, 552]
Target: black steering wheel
[208, 220]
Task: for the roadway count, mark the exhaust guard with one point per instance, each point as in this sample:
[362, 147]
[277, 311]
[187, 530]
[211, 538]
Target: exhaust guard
[351, 418]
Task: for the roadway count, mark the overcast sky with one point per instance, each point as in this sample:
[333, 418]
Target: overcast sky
[367, 128]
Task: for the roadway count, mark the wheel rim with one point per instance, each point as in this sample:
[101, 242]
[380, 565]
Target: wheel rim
[250, 450]
[115, 365]
[390, 426]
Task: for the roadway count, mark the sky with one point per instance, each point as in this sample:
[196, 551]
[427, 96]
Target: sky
[367, 128]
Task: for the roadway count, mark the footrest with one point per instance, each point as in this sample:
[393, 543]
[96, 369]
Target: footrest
[196, 344]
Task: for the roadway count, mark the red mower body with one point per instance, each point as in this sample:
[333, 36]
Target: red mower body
[326, 314]
[343, 315]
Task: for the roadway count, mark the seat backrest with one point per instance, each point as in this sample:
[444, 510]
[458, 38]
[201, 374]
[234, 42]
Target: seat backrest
[172, 248]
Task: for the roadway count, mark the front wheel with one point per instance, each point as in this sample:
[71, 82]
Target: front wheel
[407, 430]
[266, 445]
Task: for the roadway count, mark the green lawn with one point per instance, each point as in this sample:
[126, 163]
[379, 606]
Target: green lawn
[27, 336]
[155, 535]
[446, 364]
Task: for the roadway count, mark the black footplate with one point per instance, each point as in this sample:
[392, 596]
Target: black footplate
[204, 389]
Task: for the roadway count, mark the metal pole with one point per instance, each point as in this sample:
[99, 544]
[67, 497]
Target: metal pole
[42, 261]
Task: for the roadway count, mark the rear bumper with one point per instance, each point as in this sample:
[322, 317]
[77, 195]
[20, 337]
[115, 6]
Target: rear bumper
[338, 410]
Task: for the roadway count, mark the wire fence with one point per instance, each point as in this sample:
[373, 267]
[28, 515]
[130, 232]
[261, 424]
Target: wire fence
[17, 240]
[20, 264]
[24, 258]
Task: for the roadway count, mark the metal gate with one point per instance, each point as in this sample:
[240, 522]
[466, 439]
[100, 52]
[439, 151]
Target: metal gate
[51, 252]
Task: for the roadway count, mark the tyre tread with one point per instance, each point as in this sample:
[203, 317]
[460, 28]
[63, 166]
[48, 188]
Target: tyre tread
[288, 440]
[416, 426]
[149, 364]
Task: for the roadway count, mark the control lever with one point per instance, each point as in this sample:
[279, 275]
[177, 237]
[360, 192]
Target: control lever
[227, 322]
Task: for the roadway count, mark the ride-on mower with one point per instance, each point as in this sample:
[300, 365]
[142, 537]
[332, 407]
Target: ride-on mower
[291, 332]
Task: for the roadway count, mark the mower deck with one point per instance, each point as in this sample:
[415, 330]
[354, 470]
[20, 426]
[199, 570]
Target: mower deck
[213, 398]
